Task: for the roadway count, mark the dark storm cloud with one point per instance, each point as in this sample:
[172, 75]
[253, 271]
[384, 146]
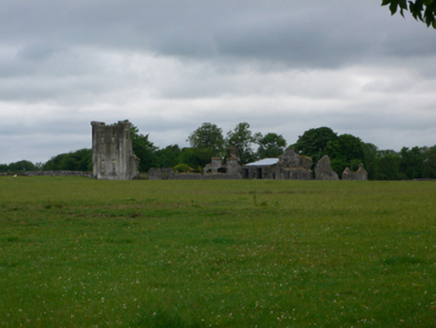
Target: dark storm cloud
[300, 34]
[283, 66]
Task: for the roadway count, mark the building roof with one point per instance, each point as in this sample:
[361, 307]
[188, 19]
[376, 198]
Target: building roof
[264, 162]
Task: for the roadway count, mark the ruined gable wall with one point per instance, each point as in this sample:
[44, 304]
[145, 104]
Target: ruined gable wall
[324, 171]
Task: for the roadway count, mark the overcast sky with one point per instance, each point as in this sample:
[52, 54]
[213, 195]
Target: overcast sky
[283, 66]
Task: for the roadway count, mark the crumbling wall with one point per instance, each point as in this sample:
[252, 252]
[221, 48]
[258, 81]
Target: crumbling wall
[324, 171]
[231, 167]
[359, 175]
[112, 152]
[293, 166]
[160, 174]
[214, 167]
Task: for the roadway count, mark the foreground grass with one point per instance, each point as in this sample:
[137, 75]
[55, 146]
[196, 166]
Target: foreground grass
[81, 252]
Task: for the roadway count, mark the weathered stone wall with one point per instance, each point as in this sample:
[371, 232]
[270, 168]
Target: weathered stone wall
[233, 167]
[214, 166]
[293, 166]
[112, 152]
[324, 171]
[296, 174]
[198, 176]
[259, 172]
[168, 174]
[51, 173]
[290, 159]
[359, 175]
[160, 174]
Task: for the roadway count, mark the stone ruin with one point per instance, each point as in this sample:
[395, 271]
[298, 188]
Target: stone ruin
[230, 168]
[293, 166]
[324, 171]
[215, 170]
[289, 166]
[112, 152]
[359, 175]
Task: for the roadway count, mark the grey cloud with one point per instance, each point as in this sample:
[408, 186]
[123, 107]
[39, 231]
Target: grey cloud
[36, 52]
[283, 66]
[300, 34]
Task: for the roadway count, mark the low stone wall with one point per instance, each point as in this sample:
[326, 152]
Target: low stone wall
[160, 174]
[198, 176]
[169, 174]
[49, 173]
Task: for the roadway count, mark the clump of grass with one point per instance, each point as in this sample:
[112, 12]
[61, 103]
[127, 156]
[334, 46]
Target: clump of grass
[163, 319]
[12, 239]
[50, 205]
[404, 259]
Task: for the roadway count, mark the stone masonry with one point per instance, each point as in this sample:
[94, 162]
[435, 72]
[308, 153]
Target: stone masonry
[324, 171]
[112, 152]
[359, 175]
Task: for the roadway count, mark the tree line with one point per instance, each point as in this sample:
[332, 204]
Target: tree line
[208, 141]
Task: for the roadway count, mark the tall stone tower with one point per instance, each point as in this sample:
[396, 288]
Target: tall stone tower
[112, 152]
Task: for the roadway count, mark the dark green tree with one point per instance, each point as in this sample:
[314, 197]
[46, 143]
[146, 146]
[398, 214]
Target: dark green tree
[370, 160]
[168, 156]
[196, 158]
[411, 165]
[143, 149]
[389, 165]
[423, 10]
[80, 160]
[243, 139]
[271, 145]
[313, 142]
[21, 166]
[429, 162]
[4, 167]
[345, 151]
[208, 136]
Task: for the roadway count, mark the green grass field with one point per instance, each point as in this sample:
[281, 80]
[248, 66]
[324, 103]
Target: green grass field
[76, 252]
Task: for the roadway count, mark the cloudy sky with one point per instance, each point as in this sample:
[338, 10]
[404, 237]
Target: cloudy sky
[283, 66]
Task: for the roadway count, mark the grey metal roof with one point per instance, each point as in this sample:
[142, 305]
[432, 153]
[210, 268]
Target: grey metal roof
[264, 162]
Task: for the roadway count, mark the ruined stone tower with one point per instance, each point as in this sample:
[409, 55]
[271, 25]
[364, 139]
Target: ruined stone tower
[112, 152]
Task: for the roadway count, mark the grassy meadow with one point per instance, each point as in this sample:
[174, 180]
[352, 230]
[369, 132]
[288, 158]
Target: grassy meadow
[77, 252]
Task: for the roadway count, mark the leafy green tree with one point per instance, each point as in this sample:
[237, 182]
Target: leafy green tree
[313, 142]
[80, 160]
[21, 166]
[345, 151]
[207, 136]
[423, 10]
[243, 138]
[271, 145]
[411, 165]
[143, 149]
[196, 158]
[389, 165]
[4, 167]
[54, 163]
[370, 160]
[429, 162]
[168, 156]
